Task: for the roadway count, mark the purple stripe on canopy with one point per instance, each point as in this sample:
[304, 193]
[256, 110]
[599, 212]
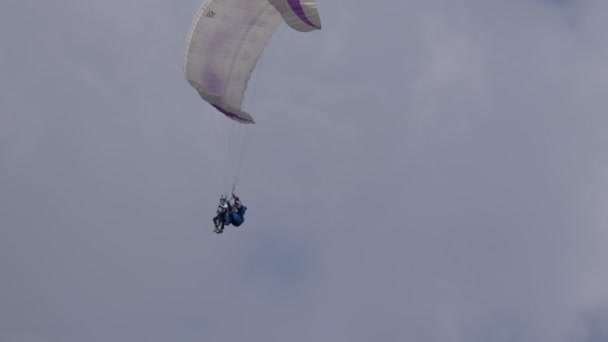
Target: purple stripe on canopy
[231, 114]
[296, 7]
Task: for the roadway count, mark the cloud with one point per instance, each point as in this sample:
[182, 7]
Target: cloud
[432, 171]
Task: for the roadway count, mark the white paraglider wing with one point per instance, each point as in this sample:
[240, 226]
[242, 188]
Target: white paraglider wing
[225, 42]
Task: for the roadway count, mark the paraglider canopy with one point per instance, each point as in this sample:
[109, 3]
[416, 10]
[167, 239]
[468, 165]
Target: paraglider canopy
[226, 40]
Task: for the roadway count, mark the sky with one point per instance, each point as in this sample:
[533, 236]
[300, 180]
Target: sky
[420, 170]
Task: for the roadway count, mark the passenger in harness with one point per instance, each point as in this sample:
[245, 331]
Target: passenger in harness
[222, 216]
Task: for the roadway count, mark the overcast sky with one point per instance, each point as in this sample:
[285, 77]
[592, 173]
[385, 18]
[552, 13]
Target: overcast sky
[420, 170]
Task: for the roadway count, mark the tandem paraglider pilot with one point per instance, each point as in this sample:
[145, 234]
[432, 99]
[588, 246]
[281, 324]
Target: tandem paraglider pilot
[229, 213]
